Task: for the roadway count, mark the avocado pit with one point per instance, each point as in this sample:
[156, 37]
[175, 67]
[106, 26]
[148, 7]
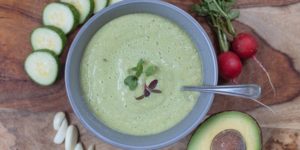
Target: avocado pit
[228, 140]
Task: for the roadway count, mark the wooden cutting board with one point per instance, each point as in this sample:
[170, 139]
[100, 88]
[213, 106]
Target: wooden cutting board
[27, 110]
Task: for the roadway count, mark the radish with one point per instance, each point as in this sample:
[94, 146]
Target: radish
[245, 46]
[220, 15]
[230, 65]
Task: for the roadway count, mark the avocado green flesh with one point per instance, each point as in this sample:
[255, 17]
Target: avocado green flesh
[240, 122]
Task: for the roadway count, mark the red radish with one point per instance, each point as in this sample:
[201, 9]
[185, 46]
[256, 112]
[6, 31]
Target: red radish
[230, 65]
[245, 46]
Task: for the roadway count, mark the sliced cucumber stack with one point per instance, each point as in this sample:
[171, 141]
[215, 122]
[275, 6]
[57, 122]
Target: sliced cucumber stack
[113, 1]
[61, 15]
[42, 66]
[100, 4]
[48, 37]
[84, 7]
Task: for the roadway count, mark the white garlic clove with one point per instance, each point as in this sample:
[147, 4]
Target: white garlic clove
[61, 133]
[91, 147]
[71, 137]
[78, 146]
[58, 119]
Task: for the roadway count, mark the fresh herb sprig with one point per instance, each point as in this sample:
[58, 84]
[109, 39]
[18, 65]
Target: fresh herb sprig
[139, 68]
[220, 14]
[132, 80]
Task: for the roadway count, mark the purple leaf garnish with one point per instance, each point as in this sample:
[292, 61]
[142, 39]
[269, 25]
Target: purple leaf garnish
[146, 93]
[153, 84]
[149, 89]
[156, 91]
[140, 97]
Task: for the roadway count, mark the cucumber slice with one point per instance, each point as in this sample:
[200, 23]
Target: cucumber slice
[84, 7]
[61, 15]
[48, 37]
[100, 4]
[113, 1]
[42, 66]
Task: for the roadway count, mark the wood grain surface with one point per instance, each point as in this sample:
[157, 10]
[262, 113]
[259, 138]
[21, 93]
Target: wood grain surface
[26, 109]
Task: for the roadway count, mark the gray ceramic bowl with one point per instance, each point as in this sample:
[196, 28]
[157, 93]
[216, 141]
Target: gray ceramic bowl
[72, 75]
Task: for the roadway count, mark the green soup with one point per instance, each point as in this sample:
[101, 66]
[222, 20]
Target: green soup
[118, 46]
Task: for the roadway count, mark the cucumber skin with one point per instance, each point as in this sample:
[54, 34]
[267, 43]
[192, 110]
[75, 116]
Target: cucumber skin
[57, 62]
[110, 2]
[76, 15]
[91, 10]
[107, 4]
[58, 31]
[92, 7]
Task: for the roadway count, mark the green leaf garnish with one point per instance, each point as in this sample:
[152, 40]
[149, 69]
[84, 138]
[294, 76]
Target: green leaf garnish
[134, 73]
[131, 82]
[139, 68]
[151, 70]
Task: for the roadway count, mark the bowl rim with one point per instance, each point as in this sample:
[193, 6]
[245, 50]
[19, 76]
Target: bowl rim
[73, 47]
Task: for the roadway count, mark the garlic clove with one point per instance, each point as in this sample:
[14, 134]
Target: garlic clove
[91, 147]
[58, 119]
[61, 133]
[78, 146]
[71, 137]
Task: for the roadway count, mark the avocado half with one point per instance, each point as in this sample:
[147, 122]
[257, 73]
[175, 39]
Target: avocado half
[241, 123]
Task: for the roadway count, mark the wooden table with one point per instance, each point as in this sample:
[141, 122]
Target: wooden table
[26, 110]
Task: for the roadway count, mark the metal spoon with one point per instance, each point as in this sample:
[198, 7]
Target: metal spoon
[251, 91]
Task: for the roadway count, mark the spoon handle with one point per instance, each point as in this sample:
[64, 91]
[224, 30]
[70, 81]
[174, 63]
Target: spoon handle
[251, 91]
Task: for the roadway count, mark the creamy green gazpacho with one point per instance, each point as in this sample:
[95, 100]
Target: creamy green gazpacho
[117, 48]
